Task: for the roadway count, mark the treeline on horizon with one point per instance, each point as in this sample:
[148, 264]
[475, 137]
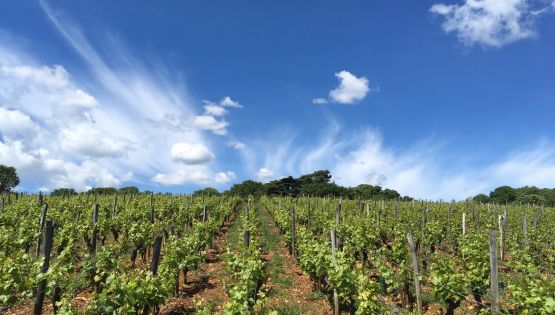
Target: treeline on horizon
[524, 195]
[316, 184]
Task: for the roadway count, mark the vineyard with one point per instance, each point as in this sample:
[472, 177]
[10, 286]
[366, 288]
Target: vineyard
[168, 254]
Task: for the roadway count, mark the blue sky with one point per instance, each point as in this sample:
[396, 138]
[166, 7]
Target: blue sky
[437, 99]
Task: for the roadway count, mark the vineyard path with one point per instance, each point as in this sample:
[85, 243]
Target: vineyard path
[290, 291]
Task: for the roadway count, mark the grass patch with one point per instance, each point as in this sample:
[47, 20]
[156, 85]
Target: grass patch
[289, 309]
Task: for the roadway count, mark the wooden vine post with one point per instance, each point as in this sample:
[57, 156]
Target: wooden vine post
[464, 223]
[396, 212]
[500, 224]
[247, 238]
[525, 230]
[95, 230]
[204, 214]
[151, 208]
[293, 235]
[494, 280]
[338, 240]
[333, 237]
[412, 250]
[115, 207]
[41, 289]
[156, 249]
[41, 227]
[308, 213]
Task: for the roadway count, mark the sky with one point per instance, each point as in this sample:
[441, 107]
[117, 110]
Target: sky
[436, 99]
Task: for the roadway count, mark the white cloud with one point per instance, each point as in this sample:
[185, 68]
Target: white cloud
[264, 174]
[182, 177]
[223, 178]
[214, 110]
[423, 170]
[493, 23]
[527, 167]
[319, 101]
[236, 144]
[206, 122]
[350, 90]
[228, 102]
[14, 122]
[86, 140]
[191, 153]
[113, 121]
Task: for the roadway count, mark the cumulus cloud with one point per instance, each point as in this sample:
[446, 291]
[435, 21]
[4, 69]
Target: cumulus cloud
[182, 177]
[212, 119]
[492, 23]
[228, 102]
[214, 110]
[224, 177]
[86, 140]
[351, 89]
[207, 122]
[188, 153]
[14, 123]
[236, 144]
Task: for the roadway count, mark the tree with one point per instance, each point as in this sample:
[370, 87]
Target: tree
[129, 190]
[503, 194]
[390, 194]
[481, 198]
[103, 191]
[322, 190]
[322, 176]
[208, 191]
[8, 178]
[63, 192]
[283, 187]
[531, 199]
[365, 191]
[246, 188]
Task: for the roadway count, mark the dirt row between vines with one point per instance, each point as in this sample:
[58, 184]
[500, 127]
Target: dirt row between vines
[205, 289]
[290, 291]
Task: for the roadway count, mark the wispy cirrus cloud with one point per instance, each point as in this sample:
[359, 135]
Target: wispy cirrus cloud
[115, 121]
[422, 170]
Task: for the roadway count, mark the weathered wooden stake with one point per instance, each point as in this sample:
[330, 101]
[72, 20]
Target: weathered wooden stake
[501, 237]
[247, 238]
[293, 234]
[494, 281]
[41, 227]
[204, 214]
[333, 251]
[464, 223]
[156, 248]
[525, 230]
[95, 230]
[412, 250]
[115, 208]
[151, 208]
[396, 211]
[41, 289]
[338, 240]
